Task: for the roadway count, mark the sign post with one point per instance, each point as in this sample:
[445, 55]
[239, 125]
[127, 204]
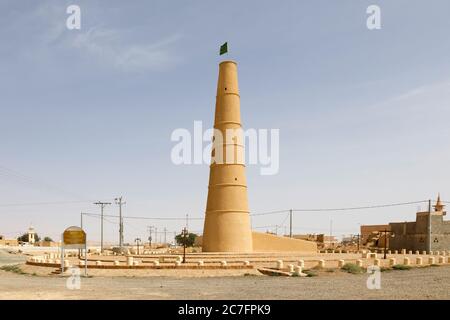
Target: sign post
[74, 238]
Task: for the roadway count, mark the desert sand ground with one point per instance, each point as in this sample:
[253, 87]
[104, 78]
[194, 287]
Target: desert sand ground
[38, 283]
[424, 283]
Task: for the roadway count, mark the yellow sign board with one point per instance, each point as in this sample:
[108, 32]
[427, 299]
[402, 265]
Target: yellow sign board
[74, 235]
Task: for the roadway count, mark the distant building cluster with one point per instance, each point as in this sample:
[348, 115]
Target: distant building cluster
[323, 241]
[430, 232]
[28, 238]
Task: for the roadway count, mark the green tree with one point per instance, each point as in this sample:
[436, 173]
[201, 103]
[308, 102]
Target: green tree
[24, 238]
[189, 240]
[48, 239]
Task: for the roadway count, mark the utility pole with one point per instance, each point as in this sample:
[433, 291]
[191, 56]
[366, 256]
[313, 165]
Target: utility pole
[156, 235]
[290, 223]
[184, 236]
[385, 240]
[359, 241]
[120, 203]
[187, 220]
[429, 226]
[81, 226]
[149, 229]
[102, 206]
[165, 236]
[331, 233]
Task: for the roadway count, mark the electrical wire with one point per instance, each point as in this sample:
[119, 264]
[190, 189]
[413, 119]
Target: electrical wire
[16, 176]
[98, 216]
[269, 212]
[143, 218]
[343, 209]
[362, 208]
[43, 203]
[281, 211]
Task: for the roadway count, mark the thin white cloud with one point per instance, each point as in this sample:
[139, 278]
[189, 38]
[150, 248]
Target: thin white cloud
[121, 49]
[419, 100]
[110, 47]
[434, 88]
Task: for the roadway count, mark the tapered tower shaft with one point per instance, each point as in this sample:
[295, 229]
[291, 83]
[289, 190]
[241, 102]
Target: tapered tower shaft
[227, 222]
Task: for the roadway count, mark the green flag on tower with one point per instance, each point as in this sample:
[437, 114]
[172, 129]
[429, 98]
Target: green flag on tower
[224, 48]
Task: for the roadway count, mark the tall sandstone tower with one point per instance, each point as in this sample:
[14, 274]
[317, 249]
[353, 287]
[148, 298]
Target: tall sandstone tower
[227, 222]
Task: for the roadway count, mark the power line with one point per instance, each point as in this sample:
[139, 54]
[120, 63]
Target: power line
[107, 220]
[265, 227]
[146, 218]
[275, 212]
[284, 221]
[33, 183]
[281, 211]
[98, 216]
[267, 213]
[342, 209]
[362, 208]
[42, 203]
[302, 228]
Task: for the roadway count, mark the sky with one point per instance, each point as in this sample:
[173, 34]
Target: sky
[87, 115]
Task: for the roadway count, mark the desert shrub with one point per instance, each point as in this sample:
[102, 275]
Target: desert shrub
[352, 268]
[310, 273]
[401, 267]
[14, 268]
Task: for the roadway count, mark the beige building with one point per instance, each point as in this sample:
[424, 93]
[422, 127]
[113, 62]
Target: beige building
[322, 240]
[8, 242]
[373, 237]
[429, 232]
[31, 235]
[308, 237]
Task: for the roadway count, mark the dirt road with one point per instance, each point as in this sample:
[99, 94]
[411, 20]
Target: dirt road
[7, 258]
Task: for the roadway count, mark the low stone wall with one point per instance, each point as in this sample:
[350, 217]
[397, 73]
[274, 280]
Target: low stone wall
[182, 266]
[331, 261]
